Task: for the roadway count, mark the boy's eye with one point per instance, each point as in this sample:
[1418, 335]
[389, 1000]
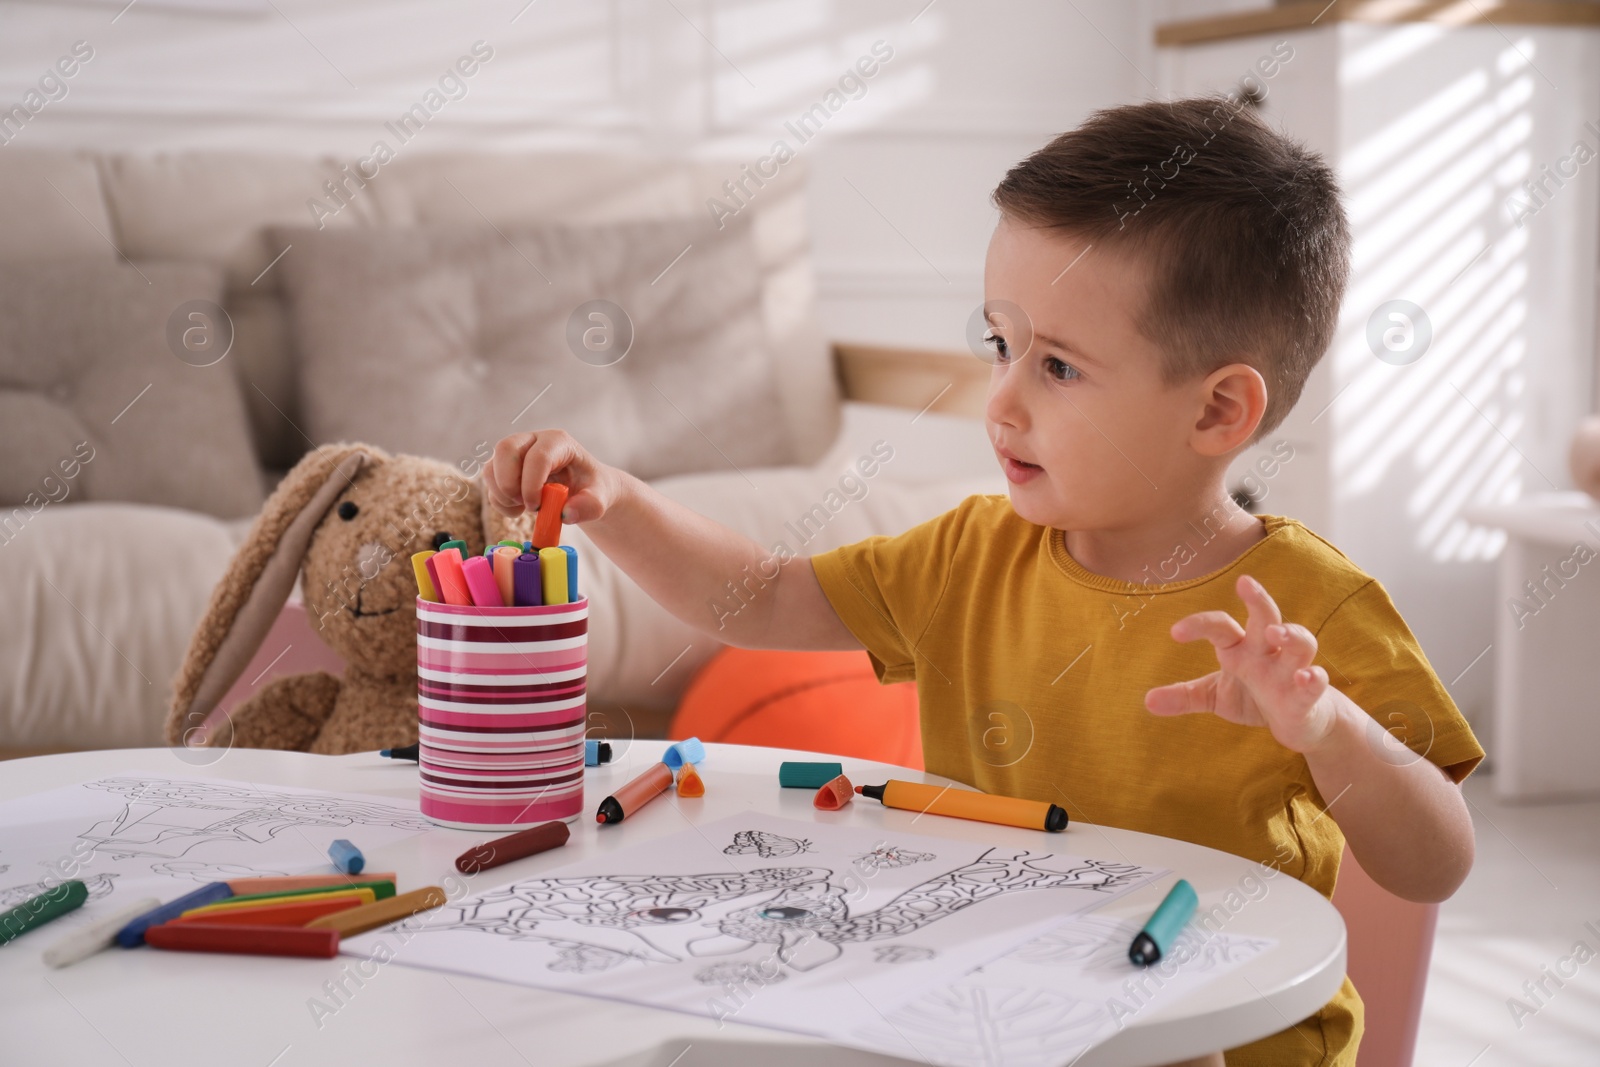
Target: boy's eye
[996, 344]
[1061, 372]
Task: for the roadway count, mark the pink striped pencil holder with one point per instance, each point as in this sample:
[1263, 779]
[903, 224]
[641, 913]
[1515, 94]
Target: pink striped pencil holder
[500, 699]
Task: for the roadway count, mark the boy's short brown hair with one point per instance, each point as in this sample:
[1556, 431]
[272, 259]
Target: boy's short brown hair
[1242, 227]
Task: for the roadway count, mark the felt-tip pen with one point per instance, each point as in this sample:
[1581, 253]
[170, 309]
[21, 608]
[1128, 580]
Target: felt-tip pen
[635, 795]
[1163, 927]
[965, 804]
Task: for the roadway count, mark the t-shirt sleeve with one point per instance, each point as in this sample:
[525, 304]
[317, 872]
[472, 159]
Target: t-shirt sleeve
[1372, 657]
[885, 589]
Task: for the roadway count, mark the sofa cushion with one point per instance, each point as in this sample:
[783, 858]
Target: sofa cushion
[439, 341]
[96, 405]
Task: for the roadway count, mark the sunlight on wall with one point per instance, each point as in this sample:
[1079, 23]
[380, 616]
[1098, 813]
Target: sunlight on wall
[1427, 198]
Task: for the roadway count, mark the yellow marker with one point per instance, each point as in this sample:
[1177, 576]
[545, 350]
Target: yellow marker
[419, 567]
[367, 897]
[504, 559]
[355, 921]
[553, 569]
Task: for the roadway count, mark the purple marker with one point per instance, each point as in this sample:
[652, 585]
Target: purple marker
[527, 588]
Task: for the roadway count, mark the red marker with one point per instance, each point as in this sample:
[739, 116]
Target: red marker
[547, 525]
[636, 794]
[249, 940]
[515, 846]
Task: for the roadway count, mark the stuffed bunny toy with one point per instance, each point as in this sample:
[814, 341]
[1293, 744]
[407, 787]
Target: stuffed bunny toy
[346, 519]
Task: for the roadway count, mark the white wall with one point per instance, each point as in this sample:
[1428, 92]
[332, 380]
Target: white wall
[1433, 132]
[901, 176]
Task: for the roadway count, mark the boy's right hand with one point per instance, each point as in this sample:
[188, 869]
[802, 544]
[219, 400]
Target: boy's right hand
[524, 462]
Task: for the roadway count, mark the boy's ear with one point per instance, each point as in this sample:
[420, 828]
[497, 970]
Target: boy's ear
[1233, 400]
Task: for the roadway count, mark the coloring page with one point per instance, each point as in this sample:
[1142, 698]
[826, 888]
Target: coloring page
[1050, 999]
[810, 927]
[139, 835]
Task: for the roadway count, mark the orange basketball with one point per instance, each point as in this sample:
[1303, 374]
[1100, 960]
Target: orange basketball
[817, 701]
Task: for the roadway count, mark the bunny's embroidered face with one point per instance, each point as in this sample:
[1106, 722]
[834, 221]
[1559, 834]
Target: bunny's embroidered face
[357, 579]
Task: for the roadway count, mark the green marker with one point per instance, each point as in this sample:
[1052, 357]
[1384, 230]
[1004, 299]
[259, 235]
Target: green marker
[36, 911]
[1163, 927]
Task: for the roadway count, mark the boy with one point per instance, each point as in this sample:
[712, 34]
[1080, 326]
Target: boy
[1160, 284]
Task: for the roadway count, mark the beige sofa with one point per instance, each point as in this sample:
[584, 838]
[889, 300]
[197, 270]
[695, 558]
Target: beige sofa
[107, 561]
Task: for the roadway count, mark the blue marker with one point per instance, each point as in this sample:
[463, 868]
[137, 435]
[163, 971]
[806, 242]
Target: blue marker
[132, 935]
[572, 573]
[596, 753]
[346, 857]
[1163, 927]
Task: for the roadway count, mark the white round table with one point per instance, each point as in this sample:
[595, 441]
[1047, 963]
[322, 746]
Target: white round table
[172, 1008]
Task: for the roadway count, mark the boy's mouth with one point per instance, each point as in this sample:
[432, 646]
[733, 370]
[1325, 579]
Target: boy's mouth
[1017, 470]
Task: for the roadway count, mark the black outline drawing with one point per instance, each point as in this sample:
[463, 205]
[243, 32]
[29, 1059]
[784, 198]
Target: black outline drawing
[800, 911]
[766, 845]
[889, 857]
[166, 819]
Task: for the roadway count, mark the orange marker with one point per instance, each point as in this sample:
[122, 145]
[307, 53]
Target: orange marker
[504, 559]
[547, 526]
[834, 794]
[690, 784]
[635, 795]
[966, 804]
[452, 583]
[289, 882]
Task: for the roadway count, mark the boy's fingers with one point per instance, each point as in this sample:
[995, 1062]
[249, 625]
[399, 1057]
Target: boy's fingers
[1295, 642]
[505, 469]
[1218, 627]
[1262, 609]
[551, 450]
[582, 506]
[1184, 698]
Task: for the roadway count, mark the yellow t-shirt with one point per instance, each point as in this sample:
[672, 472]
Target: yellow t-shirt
[1032, 671]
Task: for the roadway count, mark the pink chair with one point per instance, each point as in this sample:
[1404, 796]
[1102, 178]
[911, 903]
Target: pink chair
[291, 647]
[1390, 944]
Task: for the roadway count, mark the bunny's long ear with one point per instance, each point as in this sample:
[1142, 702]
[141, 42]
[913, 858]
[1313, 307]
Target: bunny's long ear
[247, 601]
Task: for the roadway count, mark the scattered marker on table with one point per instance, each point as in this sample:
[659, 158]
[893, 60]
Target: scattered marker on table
[96, 937]
[596, 753]
[409, 752]
[690, 784]
[360, 920]
[132, 935]
[968, 804]
[636, 794]
[1164, 925]
[250, 940]
[307, 882]
[792, 775]
[346, 856]
[38, 910]
[834, 794]
[235, 905]
[515, 846]
[290, 913]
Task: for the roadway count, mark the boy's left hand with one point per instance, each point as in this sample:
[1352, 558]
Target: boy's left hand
[1266, 677]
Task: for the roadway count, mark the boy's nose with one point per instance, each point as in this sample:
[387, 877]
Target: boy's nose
[1004, 405]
